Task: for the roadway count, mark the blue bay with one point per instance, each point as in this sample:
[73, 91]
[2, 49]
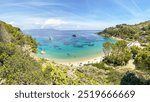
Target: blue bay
[68, 45]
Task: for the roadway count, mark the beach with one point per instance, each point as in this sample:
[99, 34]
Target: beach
[76, 62]
[83, 61]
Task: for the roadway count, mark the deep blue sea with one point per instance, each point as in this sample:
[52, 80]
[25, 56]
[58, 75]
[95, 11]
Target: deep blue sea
[68, 45]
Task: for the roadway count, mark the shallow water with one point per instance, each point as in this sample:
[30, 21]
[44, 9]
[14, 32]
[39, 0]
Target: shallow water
[69, 45]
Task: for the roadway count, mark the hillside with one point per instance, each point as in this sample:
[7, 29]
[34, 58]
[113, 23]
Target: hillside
[14, 35]
[16, 65]
[139, 32]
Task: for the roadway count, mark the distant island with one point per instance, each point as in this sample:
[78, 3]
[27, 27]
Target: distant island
[125, 62]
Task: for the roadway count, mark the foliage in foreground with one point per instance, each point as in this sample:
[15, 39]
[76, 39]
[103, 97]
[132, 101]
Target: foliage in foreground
[133, 79]
[17, 67]
[57, 76]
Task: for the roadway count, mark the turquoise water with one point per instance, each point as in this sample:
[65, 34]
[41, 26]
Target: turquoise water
[69, 45]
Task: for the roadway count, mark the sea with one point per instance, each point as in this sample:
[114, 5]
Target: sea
[68, 45]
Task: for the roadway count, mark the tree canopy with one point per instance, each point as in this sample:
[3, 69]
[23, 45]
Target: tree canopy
[116, 53]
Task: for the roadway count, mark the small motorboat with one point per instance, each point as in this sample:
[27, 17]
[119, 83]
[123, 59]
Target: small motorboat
[74, 35]
[43, 52]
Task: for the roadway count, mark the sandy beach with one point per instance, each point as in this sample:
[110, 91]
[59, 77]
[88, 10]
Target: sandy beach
[83, 61]
[75, 63]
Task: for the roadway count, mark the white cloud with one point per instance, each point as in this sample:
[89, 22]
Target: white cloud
[53, 23]
[30, 22]
[78, 25]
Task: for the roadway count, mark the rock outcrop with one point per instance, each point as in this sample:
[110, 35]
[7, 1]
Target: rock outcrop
[4, 35]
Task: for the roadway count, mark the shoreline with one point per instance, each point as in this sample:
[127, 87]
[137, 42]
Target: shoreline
[83, 61]
[75, 63]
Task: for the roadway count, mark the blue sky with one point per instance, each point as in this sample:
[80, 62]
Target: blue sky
[73, 14]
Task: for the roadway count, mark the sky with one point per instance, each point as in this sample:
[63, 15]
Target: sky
[73, 14]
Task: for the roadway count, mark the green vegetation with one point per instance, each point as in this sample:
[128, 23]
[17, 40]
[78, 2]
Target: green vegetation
[16, 65]
[8, 33]
[116, 54]
[119, 54]
[142, 58]
[57, 76]
[138, 32]
[131, 78]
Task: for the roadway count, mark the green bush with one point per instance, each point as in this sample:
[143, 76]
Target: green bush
[117, 54]
[131, 78]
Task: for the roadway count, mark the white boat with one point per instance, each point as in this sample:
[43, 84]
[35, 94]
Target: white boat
[43, 52]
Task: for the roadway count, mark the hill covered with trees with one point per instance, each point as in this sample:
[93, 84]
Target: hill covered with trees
[119, 53]
[129, 33]
[138, 32]
[16, 65]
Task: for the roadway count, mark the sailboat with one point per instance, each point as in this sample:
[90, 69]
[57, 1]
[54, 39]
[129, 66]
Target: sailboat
[50, 38]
